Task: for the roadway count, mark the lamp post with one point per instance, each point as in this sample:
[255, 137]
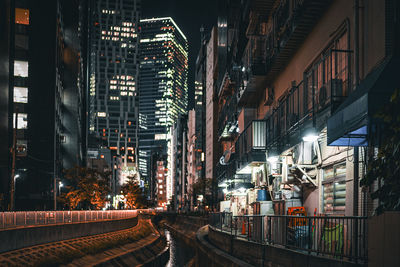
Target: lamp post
[13, 191]
[13, 150]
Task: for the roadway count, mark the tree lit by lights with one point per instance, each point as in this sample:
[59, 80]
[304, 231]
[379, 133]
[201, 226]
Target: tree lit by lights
[86, 188]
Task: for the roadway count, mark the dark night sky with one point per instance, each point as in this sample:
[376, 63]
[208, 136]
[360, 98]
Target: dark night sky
[189, 15]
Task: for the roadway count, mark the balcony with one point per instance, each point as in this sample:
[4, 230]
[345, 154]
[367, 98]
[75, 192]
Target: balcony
[302, 106]
[258, 9]
[261, 6]
[253, 71]
[291, 22]
[251, 145]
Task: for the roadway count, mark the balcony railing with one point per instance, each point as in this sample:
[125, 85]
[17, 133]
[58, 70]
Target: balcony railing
[340, 237]
[290, 24]
[254, 68]
[251, 143]
[310, 98]
[255, 55]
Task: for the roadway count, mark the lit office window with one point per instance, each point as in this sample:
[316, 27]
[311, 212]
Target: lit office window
[22, 16]
[20, 95]
[21, 68]
[22, 120]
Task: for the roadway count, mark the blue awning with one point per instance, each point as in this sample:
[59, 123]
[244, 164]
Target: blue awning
[353, 120]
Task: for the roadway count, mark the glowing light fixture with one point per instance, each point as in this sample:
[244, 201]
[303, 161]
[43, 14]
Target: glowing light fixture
[310, 135]
[273, 159]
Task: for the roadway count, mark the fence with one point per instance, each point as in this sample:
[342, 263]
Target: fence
[30, 218]
[341, 237]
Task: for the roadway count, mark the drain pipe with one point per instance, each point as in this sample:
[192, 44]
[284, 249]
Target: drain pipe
[356, 82]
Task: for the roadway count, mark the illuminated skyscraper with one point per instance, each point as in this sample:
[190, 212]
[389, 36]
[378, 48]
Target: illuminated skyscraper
[163, 91]
[113, 74]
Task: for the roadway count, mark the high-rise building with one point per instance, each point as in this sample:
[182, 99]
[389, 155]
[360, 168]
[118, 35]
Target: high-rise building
[211, 147]
[191, 155]
[113, 49]
[160, 190]
[177, 180]
[41, 119]
[163, 91]
[200, 106]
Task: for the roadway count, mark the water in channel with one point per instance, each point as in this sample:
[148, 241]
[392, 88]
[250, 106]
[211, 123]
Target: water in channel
[179, 253]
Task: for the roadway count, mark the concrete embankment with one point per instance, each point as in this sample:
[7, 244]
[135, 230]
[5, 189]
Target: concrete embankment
[184, 229]
[194, 233]
[151, 250]
[215, 248]
[209, 255]
[25, 237]
[141, 245]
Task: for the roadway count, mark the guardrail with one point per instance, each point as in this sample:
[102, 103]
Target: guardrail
[31, 218]
[339, 237]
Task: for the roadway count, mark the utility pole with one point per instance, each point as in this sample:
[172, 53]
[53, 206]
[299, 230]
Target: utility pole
[356, 78]
[13, 151]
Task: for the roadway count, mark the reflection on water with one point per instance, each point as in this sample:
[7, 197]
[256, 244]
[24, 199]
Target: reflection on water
[179, 253]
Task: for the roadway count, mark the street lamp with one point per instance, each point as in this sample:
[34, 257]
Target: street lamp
[60, 184]
[13, 192]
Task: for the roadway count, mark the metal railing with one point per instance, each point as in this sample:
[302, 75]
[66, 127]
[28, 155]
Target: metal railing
[255, 54]
[31, 218]
[338, 237]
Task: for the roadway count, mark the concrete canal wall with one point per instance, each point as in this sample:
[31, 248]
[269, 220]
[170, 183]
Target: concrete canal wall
[265, 255]
[29, 236]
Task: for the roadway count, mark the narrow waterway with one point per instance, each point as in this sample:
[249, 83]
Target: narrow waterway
[179, 253]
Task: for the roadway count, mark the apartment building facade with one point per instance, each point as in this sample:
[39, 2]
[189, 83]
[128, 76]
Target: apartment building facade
[294, 67]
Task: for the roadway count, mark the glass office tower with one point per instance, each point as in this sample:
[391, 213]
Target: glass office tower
[163, 91]
[113, 74]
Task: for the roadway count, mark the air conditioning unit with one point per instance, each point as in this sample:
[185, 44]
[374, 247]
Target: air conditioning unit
[22, 148]
[303, 153]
